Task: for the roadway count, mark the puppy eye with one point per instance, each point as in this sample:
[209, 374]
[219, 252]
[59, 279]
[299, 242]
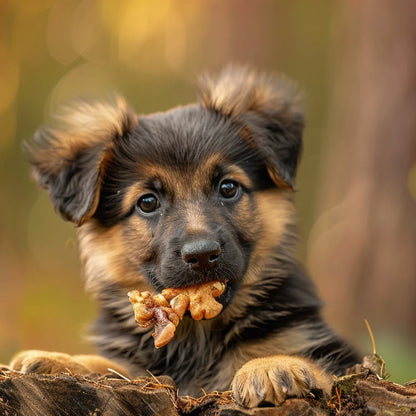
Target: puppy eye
[147, 204]
[229, 188]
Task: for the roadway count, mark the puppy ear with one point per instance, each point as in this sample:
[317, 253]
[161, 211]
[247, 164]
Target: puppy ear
[68, 159]
[267, 110]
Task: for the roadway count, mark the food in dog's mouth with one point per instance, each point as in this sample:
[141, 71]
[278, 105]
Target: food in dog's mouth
[165, 310]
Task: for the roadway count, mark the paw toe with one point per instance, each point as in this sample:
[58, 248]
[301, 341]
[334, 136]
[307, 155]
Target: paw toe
[42, 362]
[274, 379]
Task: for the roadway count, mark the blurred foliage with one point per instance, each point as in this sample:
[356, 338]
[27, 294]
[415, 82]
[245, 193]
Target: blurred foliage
[150, 52]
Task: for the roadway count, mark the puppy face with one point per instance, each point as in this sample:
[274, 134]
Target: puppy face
[196, 194]
[180, 193]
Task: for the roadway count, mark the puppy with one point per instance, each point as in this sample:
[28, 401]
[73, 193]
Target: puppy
[200, 193]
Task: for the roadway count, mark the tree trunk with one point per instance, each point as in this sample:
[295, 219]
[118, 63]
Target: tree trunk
[363, 247]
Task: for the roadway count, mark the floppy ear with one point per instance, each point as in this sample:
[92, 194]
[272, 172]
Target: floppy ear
[266, 109]
[68, 159]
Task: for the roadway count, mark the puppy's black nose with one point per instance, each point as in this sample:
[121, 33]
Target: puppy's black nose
[201, 255]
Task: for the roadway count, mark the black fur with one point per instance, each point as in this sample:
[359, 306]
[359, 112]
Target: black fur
[284, 298]
[247, 121]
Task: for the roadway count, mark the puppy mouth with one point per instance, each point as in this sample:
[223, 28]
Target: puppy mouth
[225, 299]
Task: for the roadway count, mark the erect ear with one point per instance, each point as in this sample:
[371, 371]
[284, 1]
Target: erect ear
[266, 109]
[68, 159]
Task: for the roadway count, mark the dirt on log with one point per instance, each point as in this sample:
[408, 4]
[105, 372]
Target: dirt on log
[361, 392]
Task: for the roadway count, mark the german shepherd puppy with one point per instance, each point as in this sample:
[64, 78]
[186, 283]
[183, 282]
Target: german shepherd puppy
[199, 193]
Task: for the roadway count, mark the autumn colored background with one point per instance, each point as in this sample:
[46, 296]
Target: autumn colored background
[356, 62]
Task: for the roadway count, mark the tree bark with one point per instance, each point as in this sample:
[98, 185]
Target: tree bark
[362, 248]
[63, 394]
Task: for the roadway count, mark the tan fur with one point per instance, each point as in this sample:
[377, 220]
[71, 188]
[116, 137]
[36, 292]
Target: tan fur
[80, 126]
[103, 254]
[289, 342]
[276, 212]
[55, 362]
[239, 90]
[273, 379]
[195, 219]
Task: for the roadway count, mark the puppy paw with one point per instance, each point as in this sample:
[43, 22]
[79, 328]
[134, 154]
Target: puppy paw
[34, 361]
[43, 362]
[273, 379]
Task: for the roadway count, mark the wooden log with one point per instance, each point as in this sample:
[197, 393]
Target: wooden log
[66, 394]
[96, 395]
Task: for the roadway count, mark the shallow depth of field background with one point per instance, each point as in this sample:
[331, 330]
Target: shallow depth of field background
[357, 225]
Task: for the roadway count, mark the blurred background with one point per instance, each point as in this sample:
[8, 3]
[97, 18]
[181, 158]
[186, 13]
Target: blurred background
[356, 62]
